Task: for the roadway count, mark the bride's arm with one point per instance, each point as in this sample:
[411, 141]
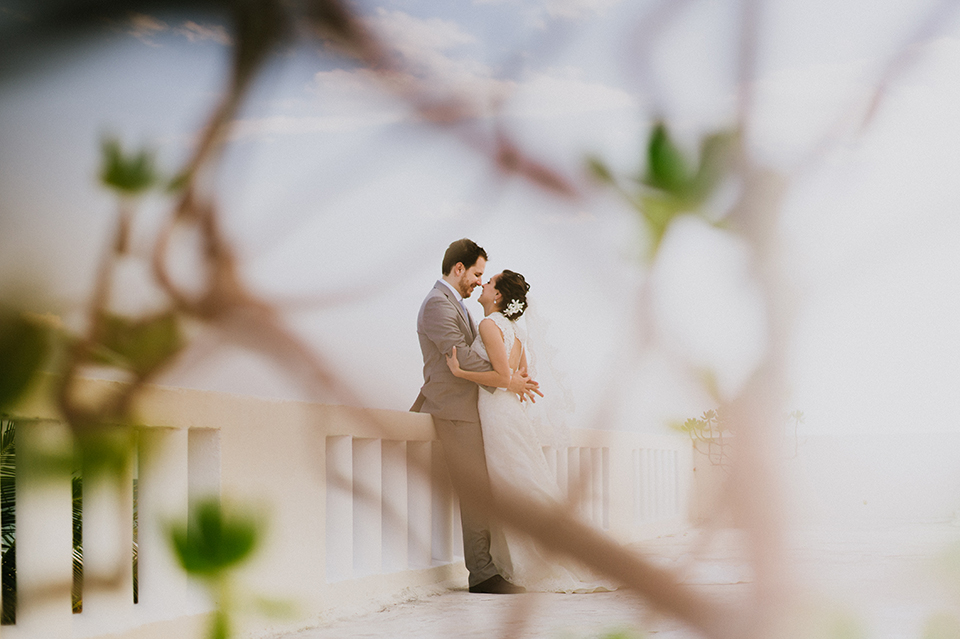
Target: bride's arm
[492, 338]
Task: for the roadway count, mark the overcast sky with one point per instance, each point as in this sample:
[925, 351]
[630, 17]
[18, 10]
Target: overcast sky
[331, 187]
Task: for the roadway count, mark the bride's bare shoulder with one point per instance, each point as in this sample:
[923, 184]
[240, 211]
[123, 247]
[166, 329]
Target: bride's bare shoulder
[492, 328]
[489, 322]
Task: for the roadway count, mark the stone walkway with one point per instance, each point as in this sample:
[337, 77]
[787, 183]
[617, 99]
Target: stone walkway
[887, 582]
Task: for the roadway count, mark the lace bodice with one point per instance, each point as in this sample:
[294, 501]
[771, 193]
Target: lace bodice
[509, 330]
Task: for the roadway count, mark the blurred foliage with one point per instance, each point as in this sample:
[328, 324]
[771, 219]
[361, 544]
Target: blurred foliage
[131, 174]
[24, 346]
[106, 449]
[213, 541]
[209, 546]
[141, 345]
[103, 441]
[670, 184]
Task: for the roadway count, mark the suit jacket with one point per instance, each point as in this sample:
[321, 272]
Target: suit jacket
[441, 325]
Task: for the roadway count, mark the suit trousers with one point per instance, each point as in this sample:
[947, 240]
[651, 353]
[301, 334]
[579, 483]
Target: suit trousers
[463, 449]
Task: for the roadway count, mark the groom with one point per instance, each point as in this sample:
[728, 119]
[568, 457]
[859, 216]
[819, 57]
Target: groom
[443, 322]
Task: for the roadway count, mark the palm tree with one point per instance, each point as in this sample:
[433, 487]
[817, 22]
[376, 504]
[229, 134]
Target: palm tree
[8, 486]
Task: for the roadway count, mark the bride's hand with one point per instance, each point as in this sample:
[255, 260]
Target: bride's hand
[453, 363]
[524, 387]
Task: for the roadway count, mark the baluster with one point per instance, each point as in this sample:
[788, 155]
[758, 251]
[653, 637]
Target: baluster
[648, 487]
[203, 460]
[658, 482]
[394, 490]
[673, 484]
[203, 483]
[367, 507]
[596, 486]
[637, 486]
[339, 512]
[586, 484]
[563, 471]
[574, 481]
[605, 488]
[550, 454]
[44, 532]
[107, 544]
[162, 499]
[419, 504]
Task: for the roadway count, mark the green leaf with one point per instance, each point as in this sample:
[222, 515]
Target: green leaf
[716, 159]
[667, 169]
[129, 174]
[213, 542]
[220, 625]
[658, 212]
[23, 350]
[140, 345]
[105, 449]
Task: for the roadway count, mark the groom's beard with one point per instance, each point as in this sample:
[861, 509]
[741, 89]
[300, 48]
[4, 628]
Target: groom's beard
[465, 289]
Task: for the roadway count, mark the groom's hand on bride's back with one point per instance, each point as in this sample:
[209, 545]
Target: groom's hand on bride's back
[524, 387]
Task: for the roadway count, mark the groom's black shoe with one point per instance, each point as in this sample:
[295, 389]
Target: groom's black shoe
[497, 585]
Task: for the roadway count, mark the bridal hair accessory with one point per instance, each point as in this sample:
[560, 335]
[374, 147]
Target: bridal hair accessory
[513, 308]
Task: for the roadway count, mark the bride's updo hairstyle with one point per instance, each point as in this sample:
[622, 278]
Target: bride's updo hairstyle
[513, 289]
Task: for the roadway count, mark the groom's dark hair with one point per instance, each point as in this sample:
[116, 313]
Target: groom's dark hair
[464, 251]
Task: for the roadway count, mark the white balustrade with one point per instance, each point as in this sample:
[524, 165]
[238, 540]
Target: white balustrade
[358, 505]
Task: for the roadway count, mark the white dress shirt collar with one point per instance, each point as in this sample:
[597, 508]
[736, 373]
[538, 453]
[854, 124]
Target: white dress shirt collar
[456, 293]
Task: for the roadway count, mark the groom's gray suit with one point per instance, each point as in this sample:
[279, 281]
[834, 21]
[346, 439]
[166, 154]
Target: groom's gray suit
[442, 324]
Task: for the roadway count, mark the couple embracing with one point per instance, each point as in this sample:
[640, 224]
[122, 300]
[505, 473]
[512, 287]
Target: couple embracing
[475, 378]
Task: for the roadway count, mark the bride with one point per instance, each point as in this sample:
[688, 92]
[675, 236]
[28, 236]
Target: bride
[510, 441]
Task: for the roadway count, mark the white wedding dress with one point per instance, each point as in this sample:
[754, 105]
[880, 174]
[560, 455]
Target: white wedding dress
[515, 458]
